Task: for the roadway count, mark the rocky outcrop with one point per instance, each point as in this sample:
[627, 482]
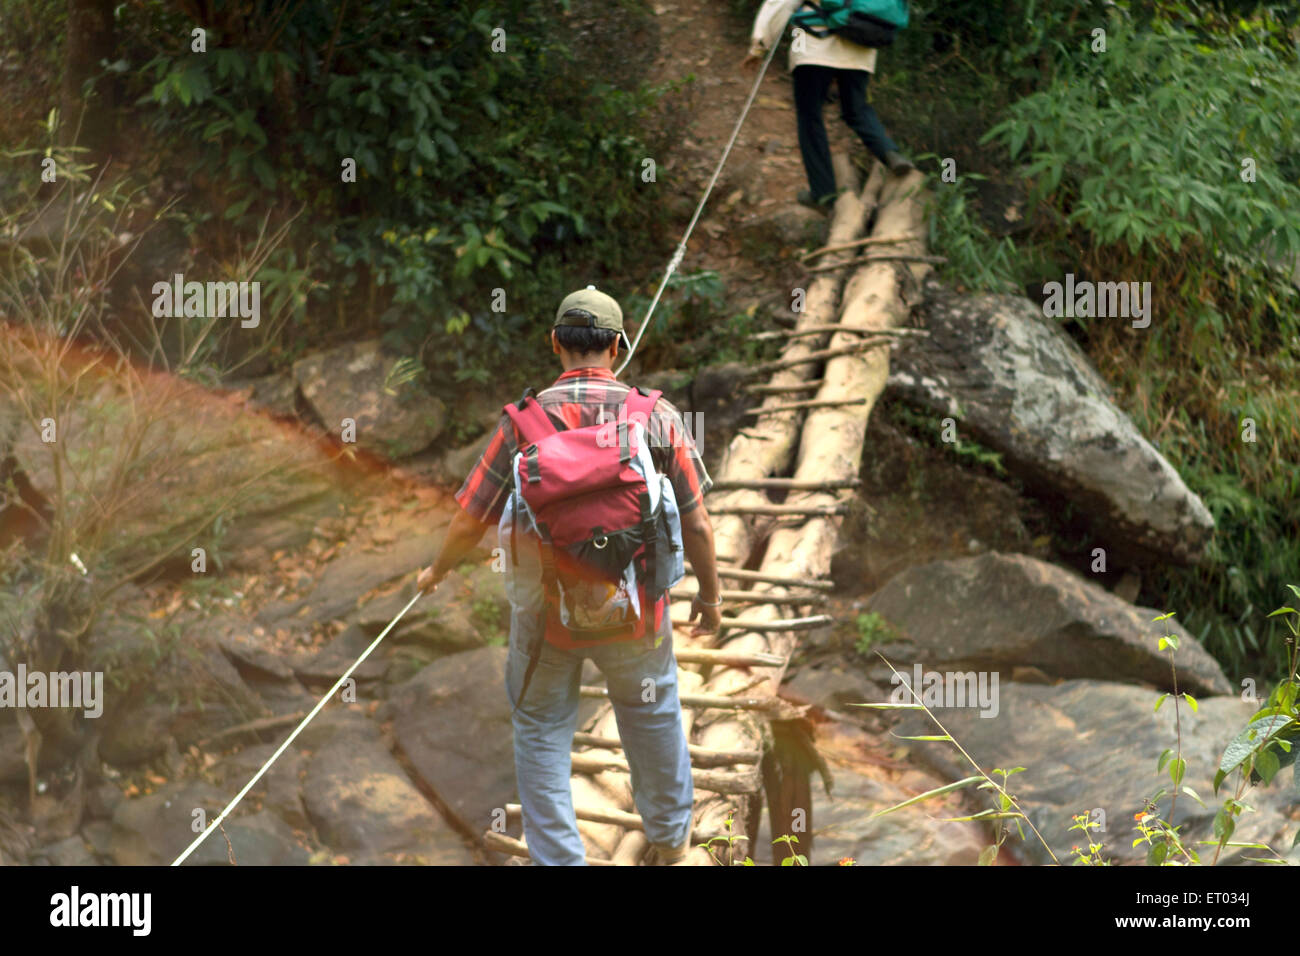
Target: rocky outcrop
[452, 721]
[354, 573]
[1017, 383]
[1092, 747]
[154, 829]
[351, 382]
[1001, 611]
[363, 805]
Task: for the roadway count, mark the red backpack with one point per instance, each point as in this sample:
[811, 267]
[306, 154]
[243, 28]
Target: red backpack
[585, 496]
[603, 522]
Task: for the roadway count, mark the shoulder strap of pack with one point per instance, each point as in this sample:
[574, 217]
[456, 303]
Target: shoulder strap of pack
[638, 402]
[641, 401]
[529, 417]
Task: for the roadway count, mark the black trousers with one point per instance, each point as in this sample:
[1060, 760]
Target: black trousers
[811, 84]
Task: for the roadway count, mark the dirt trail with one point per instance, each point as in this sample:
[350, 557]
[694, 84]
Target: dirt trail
[764, 171]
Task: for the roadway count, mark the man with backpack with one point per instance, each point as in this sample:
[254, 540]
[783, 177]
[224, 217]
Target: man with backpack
[835, 41]
[597, 490]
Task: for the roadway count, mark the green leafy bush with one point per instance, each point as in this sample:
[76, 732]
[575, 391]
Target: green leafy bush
[477, 167]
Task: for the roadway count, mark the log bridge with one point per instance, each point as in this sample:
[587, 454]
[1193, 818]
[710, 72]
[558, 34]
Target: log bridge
[811, 416]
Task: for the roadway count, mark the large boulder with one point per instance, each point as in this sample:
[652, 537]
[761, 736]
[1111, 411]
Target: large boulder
[280, 789]
[330, 663]
[349, 382]
[452, 721]
[995, 612]
[467, 611]
[152, 830]
[187, 690]
[363, 805]
[1090, 746]
[71, 851]
[354, 573]
[1018, 384]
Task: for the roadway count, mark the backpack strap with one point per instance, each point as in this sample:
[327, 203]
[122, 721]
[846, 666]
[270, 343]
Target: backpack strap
[639, 401]
[527, 414]
[642, 401]
[649, 536]
[547, 554]
[802, 19]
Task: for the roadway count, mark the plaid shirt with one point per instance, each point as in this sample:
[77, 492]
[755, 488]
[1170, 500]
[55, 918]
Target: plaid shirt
[580, 397]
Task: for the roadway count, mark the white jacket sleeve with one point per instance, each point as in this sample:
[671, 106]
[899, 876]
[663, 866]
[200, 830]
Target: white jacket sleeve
[770, 21]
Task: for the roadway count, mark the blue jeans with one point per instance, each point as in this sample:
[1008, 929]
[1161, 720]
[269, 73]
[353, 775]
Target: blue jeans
[651, 731]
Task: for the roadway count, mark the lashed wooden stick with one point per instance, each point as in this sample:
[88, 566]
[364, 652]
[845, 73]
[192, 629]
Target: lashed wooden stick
[867, 260]
[869, 241]
[785, 484]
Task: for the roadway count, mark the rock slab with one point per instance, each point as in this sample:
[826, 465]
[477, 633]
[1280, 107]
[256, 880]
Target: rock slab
[996, 612]
[1018, 384]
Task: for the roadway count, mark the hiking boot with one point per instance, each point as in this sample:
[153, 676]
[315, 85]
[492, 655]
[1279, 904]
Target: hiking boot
[660, 855]
[822, 205]
[898, 163]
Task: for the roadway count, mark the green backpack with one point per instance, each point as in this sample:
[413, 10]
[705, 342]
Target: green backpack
[870, 23]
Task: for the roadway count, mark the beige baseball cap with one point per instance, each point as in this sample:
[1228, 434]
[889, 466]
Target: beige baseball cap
[590, 308]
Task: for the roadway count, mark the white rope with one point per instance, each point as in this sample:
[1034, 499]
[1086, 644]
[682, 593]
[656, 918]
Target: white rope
[297, 730]
[680, 251]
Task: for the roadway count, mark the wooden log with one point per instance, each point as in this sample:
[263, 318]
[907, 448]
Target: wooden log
[499, 841]
[824, 329]
[899, 257]
[811, 403]
[701, 655]
[629, 821]
[700, 756]
[777, 511]
[830, 447]
[787, 484]
[779, 624]
[857, 243]
[820, 355]
[718, 781]
[740, 574]
[775, 707]
[934, 260]
[760, 453]
[763, 597]
[809, 386]
[631, 848]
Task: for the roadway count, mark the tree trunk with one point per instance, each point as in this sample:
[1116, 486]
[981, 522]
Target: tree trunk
[90, 43]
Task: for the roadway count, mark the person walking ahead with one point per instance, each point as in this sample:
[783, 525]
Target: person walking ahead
[815, 63]
[565, 585]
